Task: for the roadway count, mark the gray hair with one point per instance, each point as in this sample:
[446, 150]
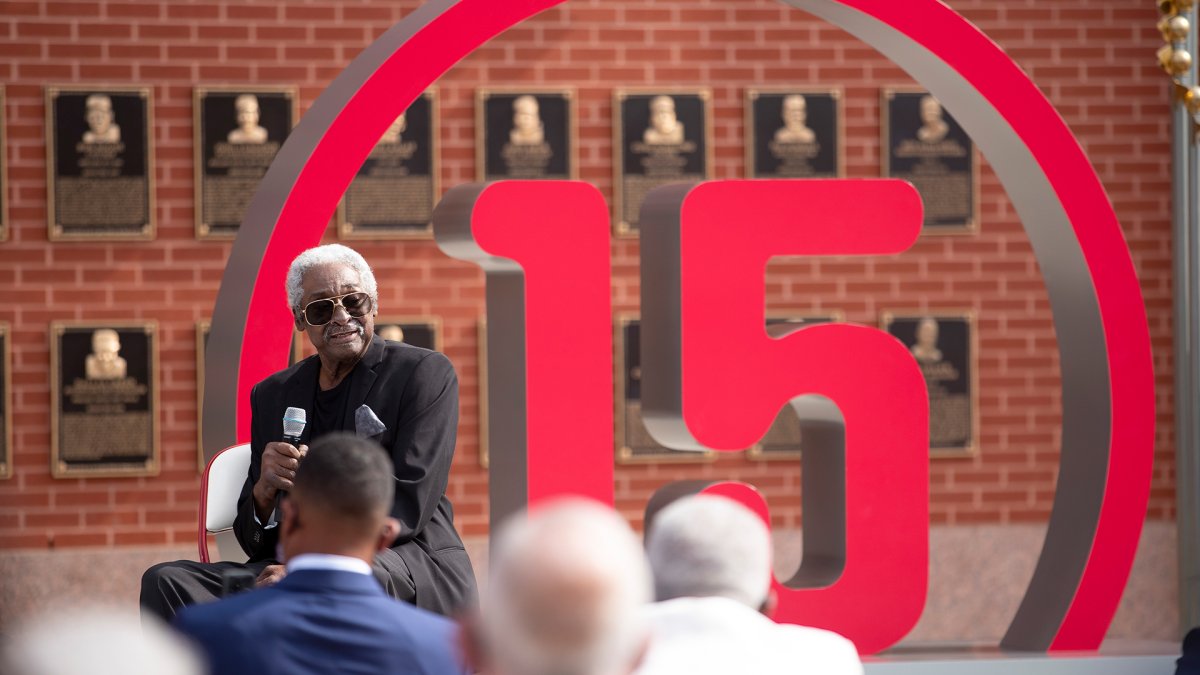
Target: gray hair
[705, 545]
[567, 588]
[329, 254]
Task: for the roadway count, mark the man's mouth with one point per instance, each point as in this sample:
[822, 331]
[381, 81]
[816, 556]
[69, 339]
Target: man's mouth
[343, 333]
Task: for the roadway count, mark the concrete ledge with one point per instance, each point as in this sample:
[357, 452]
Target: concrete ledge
[976, 579]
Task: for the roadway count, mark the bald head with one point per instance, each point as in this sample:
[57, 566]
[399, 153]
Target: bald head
[567, 584]
[705, 545]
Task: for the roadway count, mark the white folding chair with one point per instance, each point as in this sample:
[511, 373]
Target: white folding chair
[219, 490]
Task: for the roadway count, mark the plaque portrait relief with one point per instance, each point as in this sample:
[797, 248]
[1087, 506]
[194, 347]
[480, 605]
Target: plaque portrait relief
[943, 345]
[104, 381]
[633, 441]
[792, 133]
[238, 132]
[6, 434]
[925, 146]
[660, 137]
[99, 163]
[393, 192]
[525, 134]
[784, 439]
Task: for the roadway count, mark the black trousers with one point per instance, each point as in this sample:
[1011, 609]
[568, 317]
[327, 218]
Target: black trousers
[168, 587]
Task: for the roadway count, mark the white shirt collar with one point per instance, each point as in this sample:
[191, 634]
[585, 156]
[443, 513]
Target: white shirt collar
[324, 561]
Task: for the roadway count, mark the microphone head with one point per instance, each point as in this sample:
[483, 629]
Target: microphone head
[294, 420]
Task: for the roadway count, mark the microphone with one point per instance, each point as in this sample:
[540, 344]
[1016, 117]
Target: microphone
[294, 420]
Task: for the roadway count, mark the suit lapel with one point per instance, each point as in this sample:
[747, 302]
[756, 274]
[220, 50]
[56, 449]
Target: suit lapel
[301, 390]
[363, 381]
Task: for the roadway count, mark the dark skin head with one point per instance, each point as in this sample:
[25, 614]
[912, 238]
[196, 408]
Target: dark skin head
[308, 526]
[343, 341]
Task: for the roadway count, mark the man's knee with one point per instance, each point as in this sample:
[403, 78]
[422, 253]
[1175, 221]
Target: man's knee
[162, 575]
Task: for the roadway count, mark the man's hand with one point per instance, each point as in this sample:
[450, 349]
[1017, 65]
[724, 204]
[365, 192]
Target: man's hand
[270, 576]
[279, 463]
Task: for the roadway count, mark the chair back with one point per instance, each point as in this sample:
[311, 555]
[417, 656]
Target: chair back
[220, 487]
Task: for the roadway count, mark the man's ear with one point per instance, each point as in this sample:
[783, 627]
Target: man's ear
[391, 530]
[641, 653]
[769, 605]
[289, 516]
[470, 642]
[298, 319]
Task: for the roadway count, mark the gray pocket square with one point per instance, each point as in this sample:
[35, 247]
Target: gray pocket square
[366, 423]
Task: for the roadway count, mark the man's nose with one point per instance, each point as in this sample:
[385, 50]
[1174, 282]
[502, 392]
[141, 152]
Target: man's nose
[340, 315]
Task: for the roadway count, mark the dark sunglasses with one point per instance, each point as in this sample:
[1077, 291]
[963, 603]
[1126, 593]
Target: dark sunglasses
[320, 312]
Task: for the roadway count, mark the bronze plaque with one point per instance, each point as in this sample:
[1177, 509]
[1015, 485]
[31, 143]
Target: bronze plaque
[6, 433]
[783, 439]
[393, 193]
[924, 145]
[525, 134]
[794, 133]
[3, 169]
[238, 132]
[660, 137]
[633, 440]
[944, 346]
[99, 163]
[104, 399]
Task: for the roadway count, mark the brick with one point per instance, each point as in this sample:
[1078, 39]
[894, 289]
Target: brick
[192, 12]
[141, 10]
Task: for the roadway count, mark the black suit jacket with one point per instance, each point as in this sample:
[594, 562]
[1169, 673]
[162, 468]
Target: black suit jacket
[414, 392]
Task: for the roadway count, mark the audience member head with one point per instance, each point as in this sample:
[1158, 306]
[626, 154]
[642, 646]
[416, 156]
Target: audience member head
[340, 500]
[705, 545]
[98, 641]
[565, 593]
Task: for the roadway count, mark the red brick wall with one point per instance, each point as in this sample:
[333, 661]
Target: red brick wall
[1093, 59]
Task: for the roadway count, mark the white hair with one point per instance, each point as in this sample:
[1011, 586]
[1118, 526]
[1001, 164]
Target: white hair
[329, 254]
[705, 545]
[101, 642]
[566, 592]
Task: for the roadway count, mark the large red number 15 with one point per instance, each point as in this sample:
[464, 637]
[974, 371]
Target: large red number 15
[712, 376]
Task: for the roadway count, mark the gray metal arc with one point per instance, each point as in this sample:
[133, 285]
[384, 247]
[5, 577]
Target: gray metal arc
[223, 355]
[1086, 404]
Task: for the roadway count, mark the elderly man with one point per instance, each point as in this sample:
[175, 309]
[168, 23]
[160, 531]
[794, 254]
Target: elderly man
[403, 397]
[566, 589]
[711, 559]
[328, 614]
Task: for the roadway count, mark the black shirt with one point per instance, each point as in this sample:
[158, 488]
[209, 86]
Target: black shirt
[329, 407]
